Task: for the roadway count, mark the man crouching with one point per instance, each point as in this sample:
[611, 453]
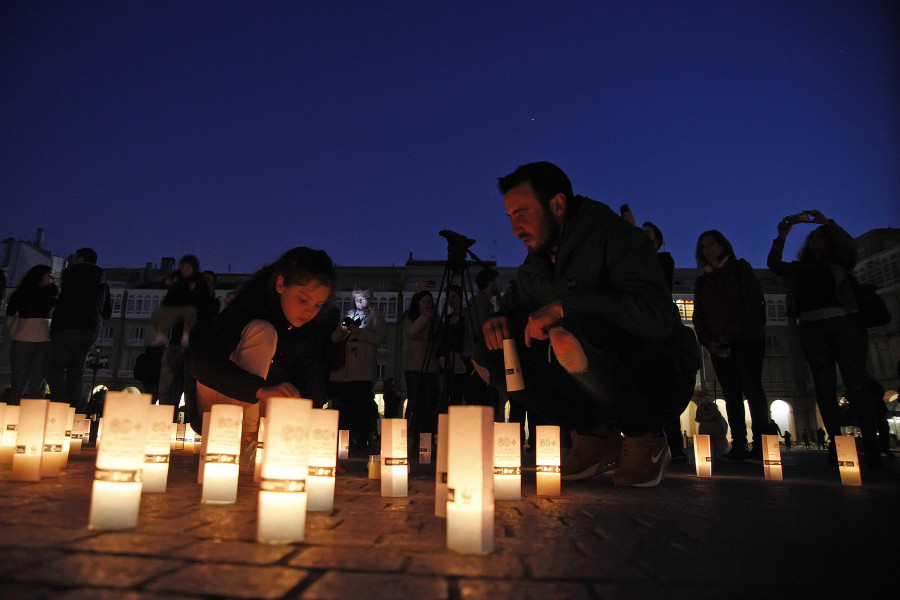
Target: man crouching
[592, 288]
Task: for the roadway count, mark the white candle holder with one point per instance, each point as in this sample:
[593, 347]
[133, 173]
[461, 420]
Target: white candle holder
[79, 426]
[344, 444]
[260, 449]
[425, 448]
[514, 380]
[204, 438]
[67, 440]
[8, 431]
[223, 451]
[703, 455]
[116, 496]
[507, 461]
[394, 460]
[281, 512]
[53, 459]
[848, 459]
[26, 463]
[547, 456]
[440, 473]
[470, 479]
[771, 448]
[322, 460]
[156, 452]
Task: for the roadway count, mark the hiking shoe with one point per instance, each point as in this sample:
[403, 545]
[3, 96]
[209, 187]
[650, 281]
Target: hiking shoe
[644, 460]
[592, 455]
[738, 453]
[568, 350]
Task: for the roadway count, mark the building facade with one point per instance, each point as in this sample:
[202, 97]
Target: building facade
[786, 379]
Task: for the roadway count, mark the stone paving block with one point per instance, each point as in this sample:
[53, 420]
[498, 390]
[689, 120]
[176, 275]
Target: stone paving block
[569, 564]
[128, 543]
[350, 559]
[27, 591]
[476, 589]
[30, 536]
[169, 524]
[452, 564]
[13, 560]
[336, 585]
[97, 569]
[229, 551]
[232, 581]
[102, 594]
[346, 535]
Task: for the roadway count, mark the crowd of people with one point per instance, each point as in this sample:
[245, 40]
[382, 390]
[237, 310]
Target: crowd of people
[603, 350]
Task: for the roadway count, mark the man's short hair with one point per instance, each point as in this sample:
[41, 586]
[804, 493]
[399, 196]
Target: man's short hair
[485, 277]
[87, 255]
[656, 232]
[546, 179]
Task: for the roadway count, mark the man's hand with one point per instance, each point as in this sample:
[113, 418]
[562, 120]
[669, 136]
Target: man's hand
[541, 320]
[495, 330]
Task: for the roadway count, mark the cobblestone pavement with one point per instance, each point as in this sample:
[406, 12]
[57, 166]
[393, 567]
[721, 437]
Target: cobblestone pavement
[731, 536]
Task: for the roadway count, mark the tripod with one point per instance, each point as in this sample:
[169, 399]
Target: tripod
[448, 331]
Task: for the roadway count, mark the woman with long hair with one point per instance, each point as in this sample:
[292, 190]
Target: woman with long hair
[730, 318]
[270, 340]
[28, 320]
[420, 365]
[832, 333]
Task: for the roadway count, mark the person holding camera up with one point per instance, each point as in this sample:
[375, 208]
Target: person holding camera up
[361, 332]
[831, 329]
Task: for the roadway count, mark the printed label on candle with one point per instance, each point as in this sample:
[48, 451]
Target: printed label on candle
[507, 470]
[286, 439]
[282, 485]
[118, 475]
[124, 431]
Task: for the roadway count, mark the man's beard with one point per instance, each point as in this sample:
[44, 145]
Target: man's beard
[550, 232]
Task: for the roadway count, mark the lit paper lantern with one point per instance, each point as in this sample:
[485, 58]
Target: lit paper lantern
[26, 463]
[260, 438]
[507, 461]
[547, 457]
[53, 460]
[514, 380]
[116, 495]
[425, 448]
[8, 429]
[848, 459]
[703, 455]
[189, 438]
[470, 479]
[323, 431]
[344, 444]
[374, 466]
[156, 454]
[180, 433]
[78, 429]
[204, 439]
[67, 440]
[771, 448]
[394, 460]
[440, 473]
[223, 451]
[281, 512]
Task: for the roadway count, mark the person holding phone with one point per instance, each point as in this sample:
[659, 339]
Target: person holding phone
[832, 334]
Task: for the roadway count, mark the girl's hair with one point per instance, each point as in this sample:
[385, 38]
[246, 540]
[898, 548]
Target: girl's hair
[298, 266]
[720, 238]
[364, 292]
[414, 312]
[839, 249]
[191, 260]
[32, 278]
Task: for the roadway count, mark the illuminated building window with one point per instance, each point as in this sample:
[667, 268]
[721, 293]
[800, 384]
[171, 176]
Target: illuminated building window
[686, 308]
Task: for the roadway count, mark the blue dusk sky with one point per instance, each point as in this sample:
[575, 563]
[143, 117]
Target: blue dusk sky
[235, 130]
